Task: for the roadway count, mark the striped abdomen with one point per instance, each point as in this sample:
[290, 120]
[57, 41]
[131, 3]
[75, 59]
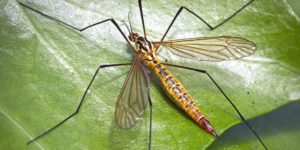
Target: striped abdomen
[179, 95]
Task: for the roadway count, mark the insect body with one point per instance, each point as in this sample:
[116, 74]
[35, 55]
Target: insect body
[172, 86]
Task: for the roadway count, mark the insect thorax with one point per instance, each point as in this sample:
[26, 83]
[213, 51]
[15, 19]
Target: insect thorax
[145, 48]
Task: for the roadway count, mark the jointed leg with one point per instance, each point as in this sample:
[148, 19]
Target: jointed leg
[150, 123]
[227, 98]
[82, 29]
[80, 104]
[150, 105]
[210, 26]
[142, 16]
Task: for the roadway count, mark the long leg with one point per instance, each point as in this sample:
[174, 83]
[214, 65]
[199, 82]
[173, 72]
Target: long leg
[205, 22]
[80, 103]
[142, 16]
[150, 119]
[227, 98]
[150, 122]
[82, 29]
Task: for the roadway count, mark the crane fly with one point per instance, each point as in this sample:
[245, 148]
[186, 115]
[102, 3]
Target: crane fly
[134, 96]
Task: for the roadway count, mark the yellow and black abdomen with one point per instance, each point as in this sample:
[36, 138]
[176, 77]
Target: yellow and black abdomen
[178, 94]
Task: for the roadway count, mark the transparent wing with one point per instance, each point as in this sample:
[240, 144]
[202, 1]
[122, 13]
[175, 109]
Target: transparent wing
[216, 48]
[133, 99]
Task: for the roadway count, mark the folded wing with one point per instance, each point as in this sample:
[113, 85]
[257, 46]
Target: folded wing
[133, 99]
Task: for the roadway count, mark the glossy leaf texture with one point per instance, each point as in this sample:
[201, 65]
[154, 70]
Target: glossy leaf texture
[46, 66]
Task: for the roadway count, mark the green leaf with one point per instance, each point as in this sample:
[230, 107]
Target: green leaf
[46, 66]
[281, 128]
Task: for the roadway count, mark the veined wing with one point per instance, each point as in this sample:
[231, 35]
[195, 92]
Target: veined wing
[133, 99]
[216, 48]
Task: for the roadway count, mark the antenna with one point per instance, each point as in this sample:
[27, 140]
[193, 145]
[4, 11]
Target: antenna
[127, 26]
[130, 31]
[129, 22]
